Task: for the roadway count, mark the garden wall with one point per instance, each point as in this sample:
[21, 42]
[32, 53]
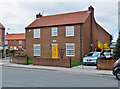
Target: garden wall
[52, 62]
[20, 59]
[104, 64]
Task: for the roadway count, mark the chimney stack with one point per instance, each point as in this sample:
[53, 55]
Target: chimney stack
[38, 16]
[91, 9]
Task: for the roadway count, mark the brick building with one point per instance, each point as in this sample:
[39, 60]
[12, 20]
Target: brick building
[15, 41]
[77, 33]
[2, 37]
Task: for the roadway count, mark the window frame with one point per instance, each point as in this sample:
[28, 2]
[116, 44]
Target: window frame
[6, 42]
[70, 44]
[68, 28]
[11, 47]
[15, 48]
[54, 31]
[36, 32]
[20, 41]
[36, 49]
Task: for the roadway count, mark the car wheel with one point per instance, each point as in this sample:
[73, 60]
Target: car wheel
[118, 75]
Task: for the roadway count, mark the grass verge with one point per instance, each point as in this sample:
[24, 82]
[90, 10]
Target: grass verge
[76, 64]
[30, 61]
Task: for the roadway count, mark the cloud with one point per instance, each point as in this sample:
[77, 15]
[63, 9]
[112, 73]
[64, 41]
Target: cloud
[17, 14]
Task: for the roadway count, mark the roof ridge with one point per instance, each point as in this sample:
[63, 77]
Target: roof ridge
[66, 13]
[1, 25]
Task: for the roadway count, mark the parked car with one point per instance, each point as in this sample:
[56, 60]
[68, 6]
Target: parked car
[107, 53]
[116, 69]
[91, 58]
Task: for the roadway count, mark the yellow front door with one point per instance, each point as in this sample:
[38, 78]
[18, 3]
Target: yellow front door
[54, 52]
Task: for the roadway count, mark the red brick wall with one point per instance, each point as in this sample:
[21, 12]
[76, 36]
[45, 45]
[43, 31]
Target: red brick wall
[2, 33]
[103, 64]
[52, 62]
[46, 39]
[86, 37]
[98, 34]
[15, 43]
[20, 59]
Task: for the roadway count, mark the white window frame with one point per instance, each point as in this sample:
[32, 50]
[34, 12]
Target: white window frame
[6, 42]
[15, 48]
[70, 44]
[36, 33]
[36, 49]
[20, 41]
[54, 31]
[11, 47]
[6, 47]
[69, 31]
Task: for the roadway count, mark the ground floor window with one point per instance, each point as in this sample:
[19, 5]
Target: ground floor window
[15, 48]
[70, 49]
[37, 50]
[11, 48]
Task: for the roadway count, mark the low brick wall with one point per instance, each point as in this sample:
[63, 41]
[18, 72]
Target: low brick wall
[20, 59]
[104, 64]
[52, 62]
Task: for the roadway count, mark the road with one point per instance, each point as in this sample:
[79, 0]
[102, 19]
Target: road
[20, 77]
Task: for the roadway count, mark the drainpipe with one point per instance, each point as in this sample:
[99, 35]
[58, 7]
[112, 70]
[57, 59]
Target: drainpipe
[81, 42]
[91, 34]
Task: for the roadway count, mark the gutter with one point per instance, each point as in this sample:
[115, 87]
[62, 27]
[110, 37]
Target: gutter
[52, 26]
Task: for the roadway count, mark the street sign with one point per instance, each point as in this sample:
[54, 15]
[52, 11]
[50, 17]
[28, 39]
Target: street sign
[4, 45]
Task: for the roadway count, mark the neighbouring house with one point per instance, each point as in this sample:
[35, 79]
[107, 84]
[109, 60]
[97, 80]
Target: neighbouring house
[71, 35]
[2, 37]
[15, 41]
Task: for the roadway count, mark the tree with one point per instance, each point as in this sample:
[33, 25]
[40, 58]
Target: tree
[116, 51]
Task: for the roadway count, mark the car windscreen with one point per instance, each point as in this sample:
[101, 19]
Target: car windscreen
[93, 54]
[106, 50]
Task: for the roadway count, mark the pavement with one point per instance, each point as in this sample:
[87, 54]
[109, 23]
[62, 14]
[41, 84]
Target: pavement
[88, 70]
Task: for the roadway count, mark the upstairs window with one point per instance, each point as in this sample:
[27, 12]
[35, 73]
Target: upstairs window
[37, 50]
[36, 33]
[54, 31]
[6, 42]
[69, 31]
[20, 41]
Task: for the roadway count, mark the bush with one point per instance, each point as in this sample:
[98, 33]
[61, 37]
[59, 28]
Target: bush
[116, 51]
[12, 52]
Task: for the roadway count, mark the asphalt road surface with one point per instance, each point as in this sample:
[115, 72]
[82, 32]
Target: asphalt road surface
[20, 77]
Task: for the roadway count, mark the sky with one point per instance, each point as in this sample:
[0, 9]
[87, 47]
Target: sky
[15, 15]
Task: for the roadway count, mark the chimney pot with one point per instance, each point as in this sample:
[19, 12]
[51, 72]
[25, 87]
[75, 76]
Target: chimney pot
[38, 16]
[91, 8]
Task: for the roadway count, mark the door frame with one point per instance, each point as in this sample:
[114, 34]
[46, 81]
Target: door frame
[57, 50]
